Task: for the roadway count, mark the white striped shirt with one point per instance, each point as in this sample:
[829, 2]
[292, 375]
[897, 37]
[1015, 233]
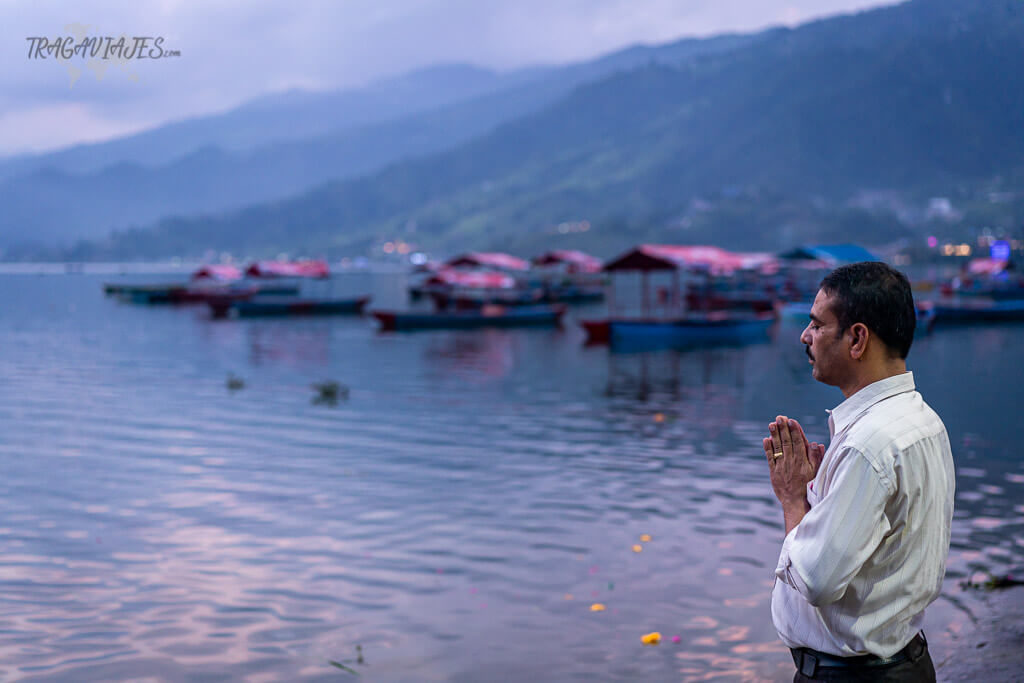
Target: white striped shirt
[857, 572]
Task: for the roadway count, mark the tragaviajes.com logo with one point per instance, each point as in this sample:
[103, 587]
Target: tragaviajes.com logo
[98, 52]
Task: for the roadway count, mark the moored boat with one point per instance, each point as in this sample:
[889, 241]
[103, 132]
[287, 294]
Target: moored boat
[692, 309]
[485, 316]
[568, 276]
[147, 294]
[223, 282]
[977, 310]
[180, 293]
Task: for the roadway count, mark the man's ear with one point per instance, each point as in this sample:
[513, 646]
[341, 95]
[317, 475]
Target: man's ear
[859, 334]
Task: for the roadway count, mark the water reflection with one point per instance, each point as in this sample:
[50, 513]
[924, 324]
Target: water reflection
[456, 517]
[290, 344]
[675, 373]
[486, 353]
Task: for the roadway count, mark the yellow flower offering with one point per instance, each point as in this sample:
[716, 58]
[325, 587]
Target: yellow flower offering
[637, 548]
[646, 538]
[597, 607]
[651, 638]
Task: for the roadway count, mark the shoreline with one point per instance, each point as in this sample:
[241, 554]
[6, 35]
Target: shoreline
[990, 650]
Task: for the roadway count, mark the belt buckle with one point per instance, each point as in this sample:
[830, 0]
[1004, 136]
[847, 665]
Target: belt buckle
[808, 664]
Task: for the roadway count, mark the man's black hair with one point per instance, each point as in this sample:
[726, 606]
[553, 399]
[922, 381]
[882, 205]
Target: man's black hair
[877, 295]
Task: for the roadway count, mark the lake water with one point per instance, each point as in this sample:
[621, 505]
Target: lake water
[456, 517]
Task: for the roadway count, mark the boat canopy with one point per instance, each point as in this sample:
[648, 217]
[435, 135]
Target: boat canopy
[492, 259]
[223, 272]
[831, 254]
[472, 279]
[763, 262]
[575, 261]
[648, 257]
[987, 266]
[268, 269]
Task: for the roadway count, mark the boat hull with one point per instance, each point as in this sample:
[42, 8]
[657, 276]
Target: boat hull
[147, 294]
[598, 331]
[518, 316]
[691, 331]
[286, 306]
[964, 313]
[574, 295]
[198, 295]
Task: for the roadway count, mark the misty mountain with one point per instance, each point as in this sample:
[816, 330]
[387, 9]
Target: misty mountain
[776, 133]
[293, 115]
[366, 130]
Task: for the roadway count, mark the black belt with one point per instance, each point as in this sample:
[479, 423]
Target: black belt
[808, 661]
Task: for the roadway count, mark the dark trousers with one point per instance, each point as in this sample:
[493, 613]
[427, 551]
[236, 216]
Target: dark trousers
[916, 667]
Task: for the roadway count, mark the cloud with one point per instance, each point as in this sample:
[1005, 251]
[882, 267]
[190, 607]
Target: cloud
[51, 126]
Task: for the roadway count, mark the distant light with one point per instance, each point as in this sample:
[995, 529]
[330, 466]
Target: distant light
[418, 259]
[933, 241]
[948, 249]
[389, 247]
[1000, 250]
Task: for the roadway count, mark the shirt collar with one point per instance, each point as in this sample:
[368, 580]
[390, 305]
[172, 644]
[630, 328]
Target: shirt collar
[843, 414]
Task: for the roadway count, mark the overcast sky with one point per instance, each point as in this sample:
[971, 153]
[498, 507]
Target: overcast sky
[234, 50]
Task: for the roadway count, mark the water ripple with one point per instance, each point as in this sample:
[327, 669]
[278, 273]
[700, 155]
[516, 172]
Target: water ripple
[456, 516]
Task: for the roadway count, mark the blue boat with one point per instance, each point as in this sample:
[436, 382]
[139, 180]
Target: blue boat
[285, 306]
[692, 330]
[487, 316]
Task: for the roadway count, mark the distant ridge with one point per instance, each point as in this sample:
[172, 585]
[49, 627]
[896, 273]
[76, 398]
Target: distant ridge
[762, 144]
[281, 145]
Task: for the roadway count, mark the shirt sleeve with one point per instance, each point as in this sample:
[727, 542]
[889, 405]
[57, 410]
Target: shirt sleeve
[823, 553]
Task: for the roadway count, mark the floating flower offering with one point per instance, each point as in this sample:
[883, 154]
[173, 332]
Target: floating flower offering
[597, 607]
[651, 638]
